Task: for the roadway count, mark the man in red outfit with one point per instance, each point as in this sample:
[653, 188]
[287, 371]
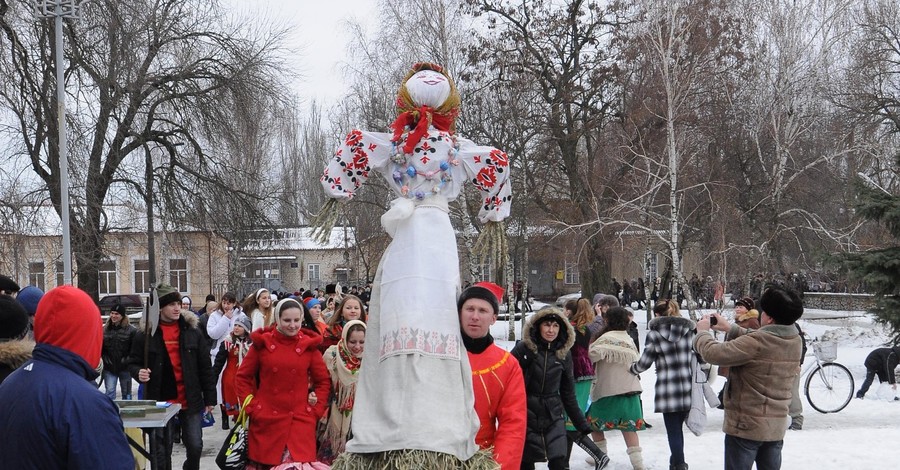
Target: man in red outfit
[496, 377]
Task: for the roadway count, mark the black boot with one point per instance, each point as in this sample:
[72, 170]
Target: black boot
[601, 460]
[569, 443]
[224, 417]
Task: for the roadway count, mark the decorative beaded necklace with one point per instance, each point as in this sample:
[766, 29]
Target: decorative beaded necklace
[404, 173]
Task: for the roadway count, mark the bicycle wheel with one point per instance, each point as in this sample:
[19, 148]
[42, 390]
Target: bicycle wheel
[829, 388]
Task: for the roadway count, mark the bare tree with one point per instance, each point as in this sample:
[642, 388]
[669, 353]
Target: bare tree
[159, 73]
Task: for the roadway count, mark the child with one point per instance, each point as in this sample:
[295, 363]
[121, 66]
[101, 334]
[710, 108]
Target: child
[231, 354]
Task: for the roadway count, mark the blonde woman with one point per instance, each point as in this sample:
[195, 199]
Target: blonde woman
[259, 306]
[580, 317]
[342, 361]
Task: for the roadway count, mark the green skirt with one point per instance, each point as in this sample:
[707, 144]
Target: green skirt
[582, 395]
[617, 413]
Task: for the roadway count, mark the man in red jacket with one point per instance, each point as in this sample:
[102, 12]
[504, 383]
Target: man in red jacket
[496, 377]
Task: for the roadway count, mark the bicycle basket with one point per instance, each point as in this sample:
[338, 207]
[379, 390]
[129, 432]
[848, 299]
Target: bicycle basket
[826, 351]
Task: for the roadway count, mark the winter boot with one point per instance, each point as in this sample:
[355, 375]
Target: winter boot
[601, 460]
[600, 445]
[569, 442]
[637, 460]
[224, 417]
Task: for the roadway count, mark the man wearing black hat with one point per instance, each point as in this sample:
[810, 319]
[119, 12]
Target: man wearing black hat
[178, 370]
[15, 347]
[8, 286]
[496, 376]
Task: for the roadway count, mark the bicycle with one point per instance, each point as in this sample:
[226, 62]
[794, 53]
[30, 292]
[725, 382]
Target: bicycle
[829, 385]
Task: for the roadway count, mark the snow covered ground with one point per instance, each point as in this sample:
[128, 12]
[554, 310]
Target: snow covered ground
[865, 434]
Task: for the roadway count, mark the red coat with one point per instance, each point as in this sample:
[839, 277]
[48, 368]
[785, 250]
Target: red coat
[500, 404]
[279, 412]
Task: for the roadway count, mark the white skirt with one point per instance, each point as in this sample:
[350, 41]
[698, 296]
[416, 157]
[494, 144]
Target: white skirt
[415, 384]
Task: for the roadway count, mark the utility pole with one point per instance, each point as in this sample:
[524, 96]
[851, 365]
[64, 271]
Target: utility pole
[59, 9]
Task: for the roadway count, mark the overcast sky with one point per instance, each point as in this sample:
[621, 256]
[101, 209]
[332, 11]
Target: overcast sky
[319, 39]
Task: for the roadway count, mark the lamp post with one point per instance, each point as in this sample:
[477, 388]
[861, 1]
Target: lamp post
[59, 9]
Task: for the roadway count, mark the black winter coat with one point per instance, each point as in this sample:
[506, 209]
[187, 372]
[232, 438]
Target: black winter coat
[883, 361]
[117, 346]
[549, 387]
[196, 366]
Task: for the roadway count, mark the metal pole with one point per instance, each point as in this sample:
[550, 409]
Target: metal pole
[63, 148]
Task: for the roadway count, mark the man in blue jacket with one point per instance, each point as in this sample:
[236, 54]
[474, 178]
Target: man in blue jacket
[52, 415]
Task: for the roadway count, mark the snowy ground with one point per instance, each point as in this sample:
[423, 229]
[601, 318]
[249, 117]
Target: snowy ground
[861, 436]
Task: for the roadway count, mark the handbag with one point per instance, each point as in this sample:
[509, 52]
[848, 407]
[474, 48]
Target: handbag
[233, 454]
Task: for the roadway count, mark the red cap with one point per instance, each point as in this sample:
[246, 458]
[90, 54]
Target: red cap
[494, 288]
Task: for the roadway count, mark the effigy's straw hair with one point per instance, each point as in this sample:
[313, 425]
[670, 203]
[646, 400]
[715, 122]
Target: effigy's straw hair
[324, 221]
[492, 242]
[414, 459]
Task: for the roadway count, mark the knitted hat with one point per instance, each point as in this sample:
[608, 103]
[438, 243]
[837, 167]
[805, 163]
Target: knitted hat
[311, 302]
[747, 302]
[68, 318]
[167, 294]
[118, 308]
[29, 298]
[487, 291]
[752, 313]
[13, 319]
[8, 285]
[244, 321]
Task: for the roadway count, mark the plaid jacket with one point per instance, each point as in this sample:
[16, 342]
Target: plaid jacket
[668, 344]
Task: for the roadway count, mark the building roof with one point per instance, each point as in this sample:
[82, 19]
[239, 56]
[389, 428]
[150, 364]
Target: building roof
[43, 221]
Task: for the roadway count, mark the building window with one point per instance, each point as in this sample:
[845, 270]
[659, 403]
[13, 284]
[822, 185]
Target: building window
[481, 269]
[36, 275]
[108, 282]
[572, 275]
[178, 275]
[141, 276]
[60, 273]
[312, 271]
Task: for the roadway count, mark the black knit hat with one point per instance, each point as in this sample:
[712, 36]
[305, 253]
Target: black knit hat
[486, 291]
[8, 285]
[13, 319]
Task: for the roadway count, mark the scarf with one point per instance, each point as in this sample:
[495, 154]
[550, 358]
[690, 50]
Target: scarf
[615, 346]
[344, 369]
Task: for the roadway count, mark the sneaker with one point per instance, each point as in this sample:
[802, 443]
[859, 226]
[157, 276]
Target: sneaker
[604, 461]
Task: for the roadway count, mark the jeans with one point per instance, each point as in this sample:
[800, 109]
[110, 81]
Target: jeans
[675, 432]
[110, 379]
[870, 377]
[741, 453]
[191, 436]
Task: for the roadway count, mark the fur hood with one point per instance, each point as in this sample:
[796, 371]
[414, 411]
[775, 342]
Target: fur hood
[672, 328]
[15, 353]
[531, 336]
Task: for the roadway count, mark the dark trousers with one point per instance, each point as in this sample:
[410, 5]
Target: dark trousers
[675, 433]
[870, 377]
[191, 436]
[554, 464]
[740, 454]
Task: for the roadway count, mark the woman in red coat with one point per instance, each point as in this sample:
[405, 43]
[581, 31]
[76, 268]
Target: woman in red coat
[285, 358]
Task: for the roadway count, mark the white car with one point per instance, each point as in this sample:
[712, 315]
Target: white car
[561, 301]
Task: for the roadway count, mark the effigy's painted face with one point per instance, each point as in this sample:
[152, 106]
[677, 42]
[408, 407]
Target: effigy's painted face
[428, 88]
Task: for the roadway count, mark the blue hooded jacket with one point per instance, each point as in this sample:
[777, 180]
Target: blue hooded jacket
[53, 417]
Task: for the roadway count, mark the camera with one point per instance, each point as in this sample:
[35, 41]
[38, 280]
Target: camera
[713, 320]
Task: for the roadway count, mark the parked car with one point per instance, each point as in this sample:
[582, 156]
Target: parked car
[561, 301]
[132, 303]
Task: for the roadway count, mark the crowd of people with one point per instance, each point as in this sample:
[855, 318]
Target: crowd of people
[573, 378]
